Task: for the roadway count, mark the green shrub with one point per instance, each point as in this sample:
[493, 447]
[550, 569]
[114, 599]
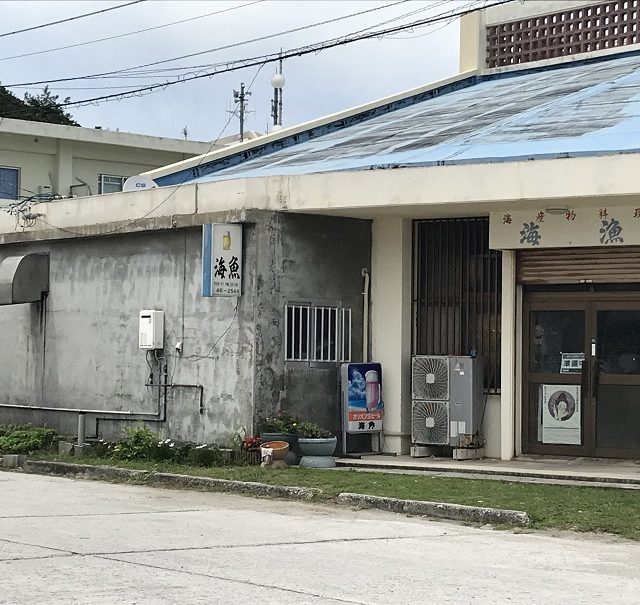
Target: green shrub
[24, 439]
[309, 430]
[140, 443]
[282, 422]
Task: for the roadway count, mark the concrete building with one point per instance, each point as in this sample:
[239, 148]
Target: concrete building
[52, 159]
[494, 211]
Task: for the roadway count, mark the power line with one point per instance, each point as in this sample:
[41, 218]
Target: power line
[294, 52]
[139, 31]
[264, 59]
[104, 10]
[238, 64]
[174, 188]
[187, 56]
[193, 69]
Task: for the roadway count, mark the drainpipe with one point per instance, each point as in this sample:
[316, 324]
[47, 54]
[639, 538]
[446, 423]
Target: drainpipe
[365, 317]
[81, 429]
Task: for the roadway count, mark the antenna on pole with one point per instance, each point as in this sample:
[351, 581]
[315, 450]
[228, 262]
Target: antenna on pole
[278, 82]
[241, 99]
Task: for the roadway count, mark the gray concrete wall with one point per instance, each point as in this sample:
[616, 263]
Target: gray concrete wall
[83, 351]
[80, 350]
[314, 259]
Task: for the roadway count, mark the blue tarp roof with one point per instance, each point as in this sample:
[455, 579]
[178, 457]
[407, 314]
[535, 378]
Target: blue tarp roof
[585, 108]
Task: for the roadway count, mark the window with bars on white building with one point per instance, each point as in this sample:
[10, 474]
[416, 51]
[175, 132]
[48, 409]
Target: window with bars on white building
[317, 333]
[110, 183]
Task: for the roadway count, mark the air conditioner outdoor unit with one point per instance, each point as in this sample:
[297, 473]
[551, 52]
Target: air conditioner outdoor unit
[447, 400]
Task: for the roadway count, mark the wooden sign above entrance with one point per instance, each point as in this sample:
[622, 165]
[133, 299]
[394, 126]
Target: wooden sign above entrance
[578, 227]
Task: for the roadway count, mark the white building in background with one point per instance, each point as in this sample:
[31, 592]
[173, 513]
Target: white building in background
[52, 159]
[502, 217]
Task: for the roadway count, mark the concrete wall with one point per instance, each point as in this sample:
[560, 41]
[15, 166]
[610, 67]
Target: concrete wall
[80, 350]
[306, 259]
[391, 325]
[84, 353]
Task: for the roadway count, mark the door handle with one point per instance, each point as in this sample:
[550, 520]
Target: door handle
[593, 368]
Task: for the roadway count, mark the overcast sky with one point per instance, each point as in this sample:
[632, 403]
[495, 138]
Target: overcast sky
[316, 84]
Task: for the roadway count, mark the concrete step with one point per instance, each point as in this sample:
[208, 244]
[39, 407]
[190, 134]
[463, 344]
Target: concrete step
[626, 477]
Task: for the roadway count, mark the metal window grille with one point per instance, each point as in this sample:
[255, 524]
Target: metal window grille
[317, 333]
[457, 287]
[345, 325]
[109, 183]
[297, 332]
[9, 183]
[568, 32]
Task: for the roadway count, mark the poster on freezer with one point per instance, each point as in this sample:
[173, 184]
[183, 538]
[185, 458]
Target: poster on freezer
[362, 405]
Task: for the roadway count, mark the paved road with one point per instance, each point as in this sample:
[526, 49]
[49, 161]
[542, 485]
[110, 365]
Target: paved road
[66, 541]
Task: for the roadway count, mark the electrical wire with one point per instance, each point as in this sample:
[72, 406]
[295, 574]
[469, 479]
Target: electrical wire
[213, 346]
[127, 70]
[43, 25]
[133, 33]
[261, 64]
[270, 58]
[174, 188]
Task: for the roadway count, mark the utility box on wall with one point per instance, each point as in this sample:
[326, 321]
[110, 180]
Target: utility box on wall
[151, 330]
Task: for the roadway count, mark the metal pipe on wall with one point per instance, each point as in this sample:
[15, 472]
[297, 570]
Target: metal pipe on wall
[365, 317]
[81, 429]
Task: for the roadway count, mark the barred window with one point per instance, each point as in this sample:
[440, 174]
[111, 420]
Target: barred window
[457, 288]
[317, 333]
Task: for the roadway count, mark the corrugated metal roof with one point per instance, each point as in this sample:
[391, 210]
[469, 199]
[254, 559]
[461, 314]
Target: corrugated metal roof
[588, 108]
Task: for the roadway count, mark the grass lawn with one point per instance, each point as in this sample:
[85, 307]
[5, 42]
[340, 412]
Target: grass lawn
[586, 509]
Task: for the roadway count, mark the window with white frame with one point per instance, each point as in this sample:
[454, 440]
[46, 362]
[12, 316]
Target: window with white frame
[9, 183]
[109, 183]
[317, 333]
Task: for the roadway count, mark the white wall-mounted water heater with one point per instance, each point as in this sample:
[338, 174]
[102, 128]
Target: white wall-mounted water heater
[151, 331]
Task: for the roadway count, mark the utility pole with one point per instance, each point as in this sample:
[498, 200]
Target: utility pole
[278, 82]
[241, 99]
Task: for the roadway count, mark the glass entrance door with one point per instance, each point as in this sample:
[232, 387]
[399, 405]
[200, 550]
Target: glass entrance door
[617, 380]
[555, 399]
[581, 378]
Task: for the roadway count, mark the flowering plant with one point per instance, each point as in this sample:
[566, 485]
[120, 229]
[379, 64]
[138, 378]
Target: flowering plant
[251, 443]
[282, 422]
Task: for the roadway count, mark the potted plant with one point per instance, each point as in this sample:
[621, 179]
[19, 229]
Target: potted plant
[279, 427]
[317, 445]
[251, 450]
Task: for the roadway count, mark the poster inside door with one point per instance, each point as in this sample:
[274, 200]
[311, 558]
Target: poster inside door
[561, 411]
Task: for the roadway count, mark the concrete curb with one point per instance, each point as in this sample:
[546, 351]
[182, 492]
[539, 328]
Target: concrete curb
[440, 510]
[113, 473]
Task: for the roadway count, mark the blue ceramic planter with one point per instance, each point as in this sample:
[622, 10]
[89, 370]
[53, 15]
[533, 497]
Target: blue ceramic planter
[317, 447]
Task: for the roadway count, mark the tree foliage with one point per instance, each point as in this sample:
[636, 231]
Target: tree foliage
[44, 107]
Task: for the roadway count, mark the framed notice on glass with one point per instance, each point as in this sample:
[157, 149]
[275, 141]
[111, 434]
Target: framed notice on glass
[561, 413]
